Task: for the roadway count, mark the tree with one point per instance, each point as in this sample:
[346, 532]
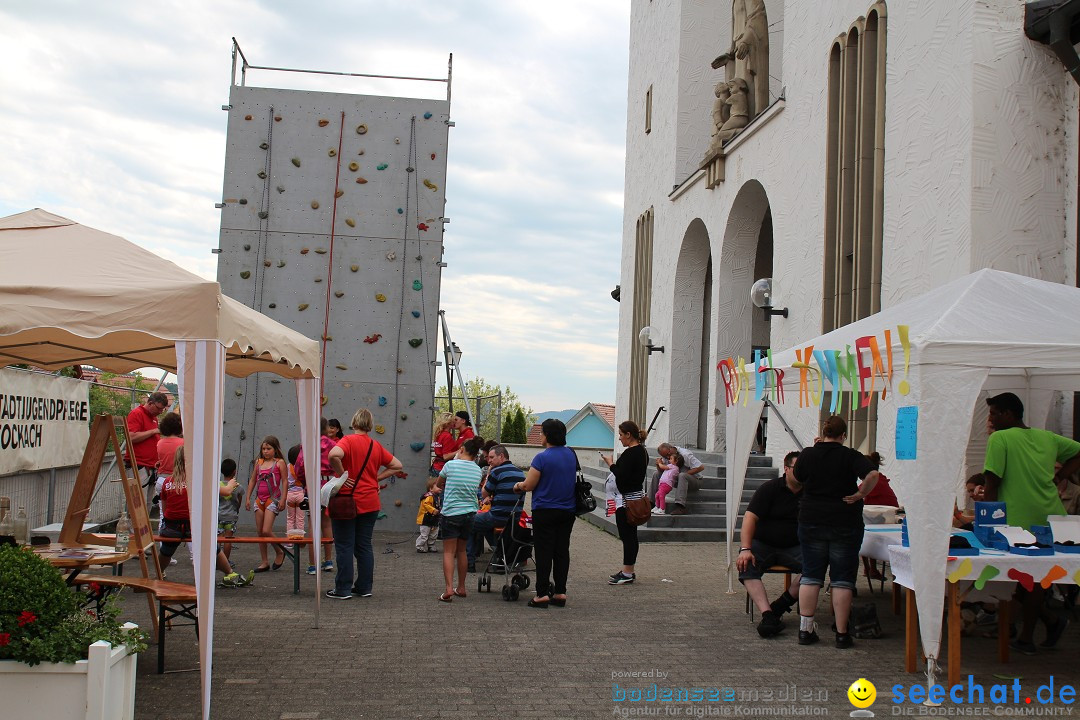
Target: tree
[114, 400]
[514, 429]
[486, 420]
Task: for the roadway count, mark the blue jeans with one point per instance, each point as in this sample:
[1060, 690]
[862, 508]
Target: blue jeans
[353, 538]
[834, 547]
[483, 526]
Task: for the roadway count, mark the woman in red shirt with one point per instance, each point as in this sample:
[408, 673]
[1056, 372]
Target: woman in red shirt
[444, 443]
[367, 462]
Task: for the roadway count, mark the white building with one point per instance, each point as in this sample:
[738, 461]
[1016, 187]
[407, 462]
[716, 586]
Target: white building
[902, 145]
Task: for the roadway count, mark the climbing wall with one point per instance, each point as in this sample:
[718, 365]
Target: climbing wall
[332, 225]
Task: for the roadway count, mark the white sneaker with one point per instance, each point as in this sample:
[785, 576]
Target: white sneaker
[657, 511]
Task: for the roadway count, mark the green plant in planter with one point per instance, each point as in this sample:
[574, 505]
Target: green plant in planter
[44, 620]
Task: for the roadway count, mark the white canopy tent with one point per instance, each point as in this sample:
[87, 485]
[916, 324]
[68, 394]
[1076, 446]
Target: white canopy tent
[70, 294]
[988, 331]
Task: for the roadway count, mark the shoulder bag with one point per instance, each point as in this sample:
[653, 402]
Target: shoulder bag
[584, 500]
[341, 505]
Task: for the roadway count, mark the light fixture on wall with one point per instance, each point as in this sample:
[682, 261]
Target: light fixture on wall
[616, 294]
[646, 338]
[763, 295]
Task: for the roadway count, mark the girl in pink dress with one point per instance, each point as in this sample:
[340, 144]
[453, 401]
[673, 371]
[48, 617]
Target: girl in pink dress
[266, 484]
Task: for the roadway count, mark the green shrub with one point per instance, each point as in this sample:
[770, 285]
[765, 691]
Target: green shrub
[44, 620]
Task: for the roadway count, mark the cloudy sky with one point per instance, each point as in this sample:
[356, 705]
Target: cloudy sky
[110, 115]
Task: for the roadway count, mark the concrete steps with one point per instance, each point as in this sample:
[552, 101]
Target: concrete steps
[707, 516]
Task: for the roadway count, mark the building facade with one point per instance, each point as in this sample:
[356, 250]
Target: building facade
[857, 153]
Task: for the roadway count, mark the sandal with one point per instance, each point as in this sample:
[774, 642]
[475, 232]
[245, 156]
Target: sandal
[446, 597]
[459, 593]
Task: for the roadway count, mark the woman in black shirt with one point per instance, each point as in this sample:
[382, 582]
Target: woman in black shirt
[629, 474]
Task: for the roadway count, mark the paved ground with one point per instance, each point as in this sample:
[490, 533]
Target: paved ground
[402, 654]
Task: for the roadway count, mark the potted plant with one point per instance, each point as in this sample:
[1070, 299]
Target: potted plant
[60, 657]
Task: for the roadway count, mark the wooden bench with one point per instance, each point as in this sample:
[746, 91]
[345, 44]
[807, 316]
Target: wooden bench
[174, 600]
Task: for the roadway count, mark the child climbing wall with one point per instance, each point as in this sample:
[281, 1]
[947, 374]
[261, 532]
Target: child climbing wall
[332, 224]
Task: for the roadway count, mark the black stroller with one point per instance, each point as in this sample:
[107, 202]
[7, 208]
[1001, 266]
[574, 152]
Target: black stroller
[513, 548]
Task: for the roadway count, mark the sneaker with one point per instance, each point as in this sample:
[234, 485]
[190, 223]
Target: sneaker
[770, 624]
[1027, 648]
[658, 511]
[421, 550]
[231, 580]
[248, 579]
[621, 578]
[844, 641]
[311, 569]
[333, 595]
[1053, 633]
[328, 566]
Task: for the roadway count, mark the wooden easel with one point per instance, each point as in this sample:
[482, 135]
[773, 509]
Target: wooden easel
[105, 430]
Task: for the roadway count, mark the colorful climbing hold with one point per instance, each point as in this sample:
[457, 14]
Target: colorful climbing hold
[261, 174]
[327, 338]
[281, 263]
[302, 307]
[417, 446]
[247, 247]
[397, 503]
[397, 141]
[416, 342]
[432, 156]
[318, 280]
[245, 274]
[354, 268]
[361, 151]
[380, 297]
[382, 401]
[277, 118]
[350, 222]
[296, 162]
[400, 211]
[427, 116]
[339, 294]
[266, 263]
[391, 256]
[247, 117]
[263, 214]
[264, 146]
[380, 429]
[281, 188]
[417, 285]
[412, 402]
[272, 305]
[423, 227]
[372, 339]
[304, 251]
[238, 392]
[323, 122]
[314, 204]
[361, 181]
[339, 366]
[243, 201]
[430, 185]
[324, 400]
[339, 193]
[320, 251]
[382, 166]
[361, 129]
[354, 166]
[416, 313]
[331, 152]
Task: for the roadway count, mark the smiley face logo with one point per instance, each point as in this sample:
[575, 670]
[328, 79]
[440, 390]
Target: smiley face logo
[862, 693]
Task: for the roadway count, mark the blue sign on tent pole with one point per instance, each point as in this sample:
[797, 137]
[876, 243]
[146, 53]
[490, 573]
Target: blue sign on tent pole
[907, 432]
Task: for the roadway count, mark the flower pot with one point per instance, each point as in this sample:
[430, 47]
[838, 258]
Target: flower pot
[99, 688]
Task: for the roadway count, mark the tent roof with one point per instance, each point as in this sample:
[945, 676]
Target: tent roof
[1018, 320]
[70, 294]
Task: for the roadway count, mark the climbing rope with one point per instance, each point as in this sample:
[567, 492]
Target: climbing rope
[330, 261]
[410, 190]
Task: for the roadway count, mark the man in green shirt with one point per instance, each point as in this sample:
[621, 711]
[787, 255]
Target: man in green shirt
[1019, 471]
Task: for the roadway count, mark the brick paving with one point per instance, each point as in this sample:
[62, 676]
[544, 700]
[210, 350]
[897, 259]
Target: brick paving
[402, 654]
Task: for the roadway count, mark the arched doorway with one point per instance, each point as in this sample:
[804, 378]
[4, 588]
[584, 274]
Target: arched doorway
[746, 256]
[690, 340]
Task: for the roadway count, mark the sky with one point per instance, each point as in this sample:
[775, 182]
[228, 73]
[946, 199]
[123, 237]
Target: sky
[110, 114]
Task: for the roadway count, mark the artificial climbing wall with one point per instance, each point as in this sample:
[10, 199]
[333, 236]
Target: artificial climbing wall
[332, 225]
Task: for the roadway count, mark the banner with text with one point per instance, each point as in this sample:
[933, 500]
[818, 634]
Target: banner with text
[44, 421]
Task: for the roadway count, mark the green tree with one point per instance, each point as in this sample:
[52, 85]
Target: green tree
[514, 429]
[485, 425]
[116, 400]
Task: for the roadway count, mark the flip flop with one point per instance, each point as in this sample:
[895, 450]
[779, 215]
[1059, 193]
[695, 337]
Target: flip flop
[459, 593]
[446, 598]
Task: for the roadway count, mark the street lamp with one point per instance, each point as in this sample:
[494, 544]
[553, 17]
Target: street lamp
[763, 295]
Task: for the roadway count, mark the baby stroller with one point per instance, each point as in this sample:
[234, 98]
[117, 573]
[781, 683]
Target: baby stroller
[513, 548]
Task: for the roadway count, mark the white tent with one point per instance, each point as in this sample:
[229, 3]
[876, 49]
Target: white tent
[70, 294]
[990, 330]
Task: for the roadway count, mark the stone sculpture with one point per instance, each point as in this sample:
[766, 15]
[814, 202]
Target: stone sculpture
[750, 30]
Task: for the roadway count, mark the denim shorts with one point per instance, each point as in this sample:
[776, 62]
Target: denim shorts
[834, 547]
[765, 556]
[452, 527]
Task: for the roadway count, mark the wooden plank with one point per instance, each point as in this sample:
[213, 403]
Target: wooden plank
[911, 633]
[82, 493]
[955, 626]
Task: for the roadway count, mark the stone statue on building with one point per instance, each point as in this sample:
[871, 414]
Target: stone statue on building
[750, 30]
[720, 114]
[738, 109]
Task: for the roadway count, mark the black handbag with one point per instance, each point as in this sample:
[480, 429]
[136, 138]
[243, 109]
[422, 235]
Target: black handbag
[584, 500]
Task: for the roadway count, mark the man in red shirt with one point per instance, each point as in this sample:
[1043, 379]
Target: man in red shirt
[143, 429]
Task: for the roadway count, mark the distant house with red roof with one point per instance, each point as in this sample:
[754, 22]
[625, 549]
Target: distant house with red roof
[592, 426]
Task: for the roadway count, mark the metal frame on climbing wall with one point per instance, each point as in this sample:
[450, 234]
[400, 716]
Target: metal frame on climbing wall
[452, 359]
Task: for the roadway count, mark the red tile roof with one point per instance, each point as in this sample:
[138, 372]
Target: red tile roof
[535, 437]
[607, 412]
